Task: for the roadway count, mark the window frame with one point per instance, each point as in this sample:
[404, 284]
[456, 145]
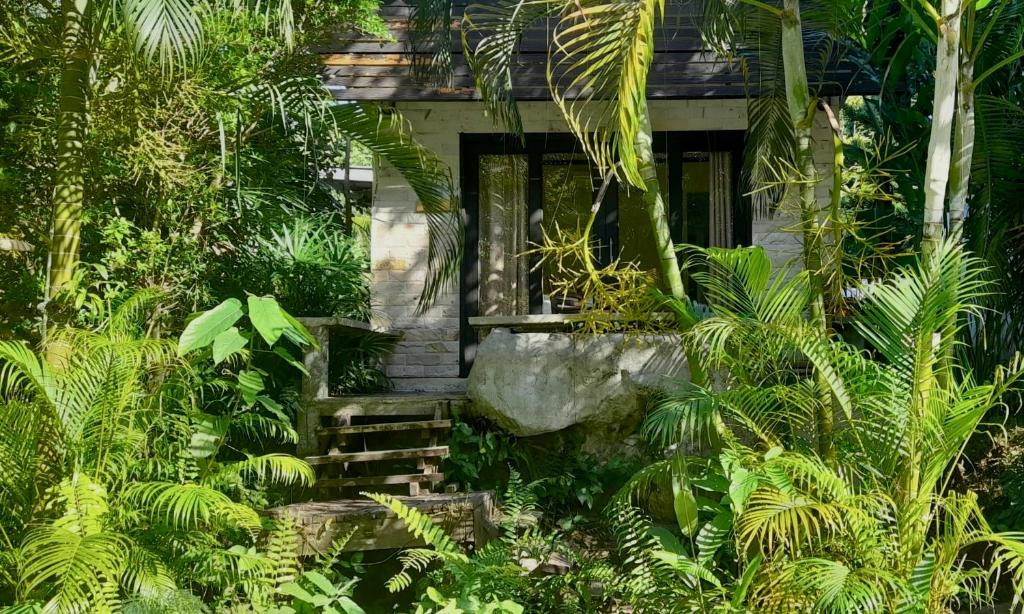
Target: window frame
[674, 144]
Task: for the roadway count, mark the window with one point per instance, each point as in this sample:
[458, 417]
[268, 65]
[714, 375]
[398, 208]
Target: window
[516, 190]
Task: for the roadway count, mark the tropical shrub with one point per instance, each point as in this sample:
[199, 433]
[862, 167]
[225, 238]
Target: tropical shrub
[123, 474]
[874, 528]
[311, 267]
[505, 576]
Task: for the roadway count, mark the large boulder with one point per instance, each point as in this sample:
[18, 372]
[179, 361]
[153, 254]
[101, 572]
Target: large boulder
[535, 383]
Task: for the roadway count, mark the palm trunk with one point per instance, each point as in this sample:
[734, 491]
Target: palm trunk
[937, 169]
[963, 150]
[72, 123]
[801, 113]
[654, 205]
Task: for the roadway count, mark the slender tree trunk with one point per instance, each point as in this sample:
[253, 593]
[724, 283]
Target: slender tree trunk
[963, 149]
[654, 205]
[801, 113]
[72, 123]
[937, 169]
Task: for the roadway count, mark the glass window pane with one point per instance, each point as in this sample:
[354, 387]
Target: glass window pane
[569, 190]
[636, 237]
[696, 198]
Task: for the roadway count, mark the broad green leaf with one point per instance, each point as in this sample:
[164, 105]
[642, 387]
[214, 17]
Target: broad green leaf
[207, 435]
[202, 330]
[321, 582]
[684, 504]
[435, 595]
[250, 384]
[288, 358]
[275, 408]
[292, 589]
[349, 606]
[712, 535]
[227, 343]
[298, 333]
[739, 595]
[667, 540]
[741, 486]
[267, 318]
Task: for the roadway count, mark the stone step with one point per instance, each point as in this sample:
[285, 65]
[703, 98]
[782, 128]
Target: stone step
[378, 455]
[380, 480]
[386, 427]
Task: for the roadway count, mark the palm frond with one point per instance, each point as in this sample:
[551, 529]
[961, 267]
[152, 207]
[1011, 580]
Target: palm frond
[168, 30]
[278, 469]
[600, 58]
[189, 506]
[490, 39]
[388, 135]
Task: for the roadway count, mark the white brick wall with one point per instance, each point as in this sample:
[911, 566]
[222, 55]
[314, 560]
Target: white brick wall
[428, 356]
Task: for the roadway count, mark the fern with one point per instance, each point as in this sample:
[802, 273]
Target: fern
[421, 527]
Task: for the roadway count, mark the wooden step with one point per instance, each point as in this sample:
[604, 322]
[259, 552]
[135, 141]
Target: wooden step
[408, 404]
[386, 427]
[467, 517]
[378, 455]
[379, 480]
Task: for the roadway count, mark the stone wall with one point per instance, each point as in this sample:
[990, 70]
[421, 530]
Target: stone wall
[428, 356]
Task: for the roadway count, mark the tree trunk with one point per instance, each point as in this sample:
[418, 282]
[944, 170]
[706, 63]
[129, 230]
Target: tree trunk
[654, 205]
[963, 150]
[937, 169]
[72, 123]
[801, 113]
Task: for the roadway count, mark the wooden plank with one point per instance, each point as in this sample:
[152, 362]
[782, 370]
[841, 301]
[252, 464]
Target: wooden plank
[466, 517]
[412, 404]
[386, 427]
[377, 455]
[366, 59]
[380, 480]
[333, 322]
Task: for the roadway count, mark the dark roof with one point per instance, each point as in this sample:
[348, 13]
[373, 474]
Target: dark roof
[359, 67]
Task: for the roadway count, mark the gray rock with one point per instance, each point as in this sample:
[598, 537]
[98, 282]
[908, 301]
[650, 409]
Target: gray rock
[534, 383]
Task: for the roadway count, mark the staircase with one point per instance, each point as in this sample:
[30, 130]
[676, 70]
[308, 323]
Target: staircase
[391, 441]
[386, 443]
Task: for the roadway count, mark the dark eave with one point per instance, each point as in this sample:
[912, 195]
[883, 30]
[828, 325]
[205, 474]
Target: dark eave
[358, 67]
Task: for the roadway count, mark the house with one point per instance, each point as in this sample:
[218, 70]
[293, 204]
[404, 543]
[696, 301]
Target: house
[512, 190]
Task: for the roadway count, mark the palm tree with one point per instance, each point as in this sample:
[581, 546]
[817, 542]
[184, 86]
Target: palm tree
[111, 481]
[169, 34]
[881, 530]
[170, 30]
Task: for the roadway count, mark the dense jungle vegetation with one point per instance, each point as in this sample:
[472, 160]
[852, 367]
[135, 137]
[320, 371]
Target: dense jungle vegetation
[851, 438]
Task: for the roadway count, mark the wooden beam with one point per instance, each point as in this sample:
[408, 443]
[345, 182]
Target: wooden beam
[380, 480]
[377, 455]
[386, 427]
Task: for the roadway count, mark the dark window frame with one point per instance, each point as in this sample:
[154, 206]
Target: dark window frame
[673, 144]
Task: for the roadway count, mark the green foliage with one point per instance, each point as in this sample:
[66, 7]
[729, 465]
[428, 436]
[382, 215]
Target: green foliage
[122, 480]
[505, 574]
[877, 530]
[193, 173]
[312, 268]
[479, 454]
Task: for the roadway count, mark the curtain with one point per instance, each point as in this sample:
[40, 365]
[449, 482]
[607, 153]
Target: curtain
[720, 231]
[504, 282]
